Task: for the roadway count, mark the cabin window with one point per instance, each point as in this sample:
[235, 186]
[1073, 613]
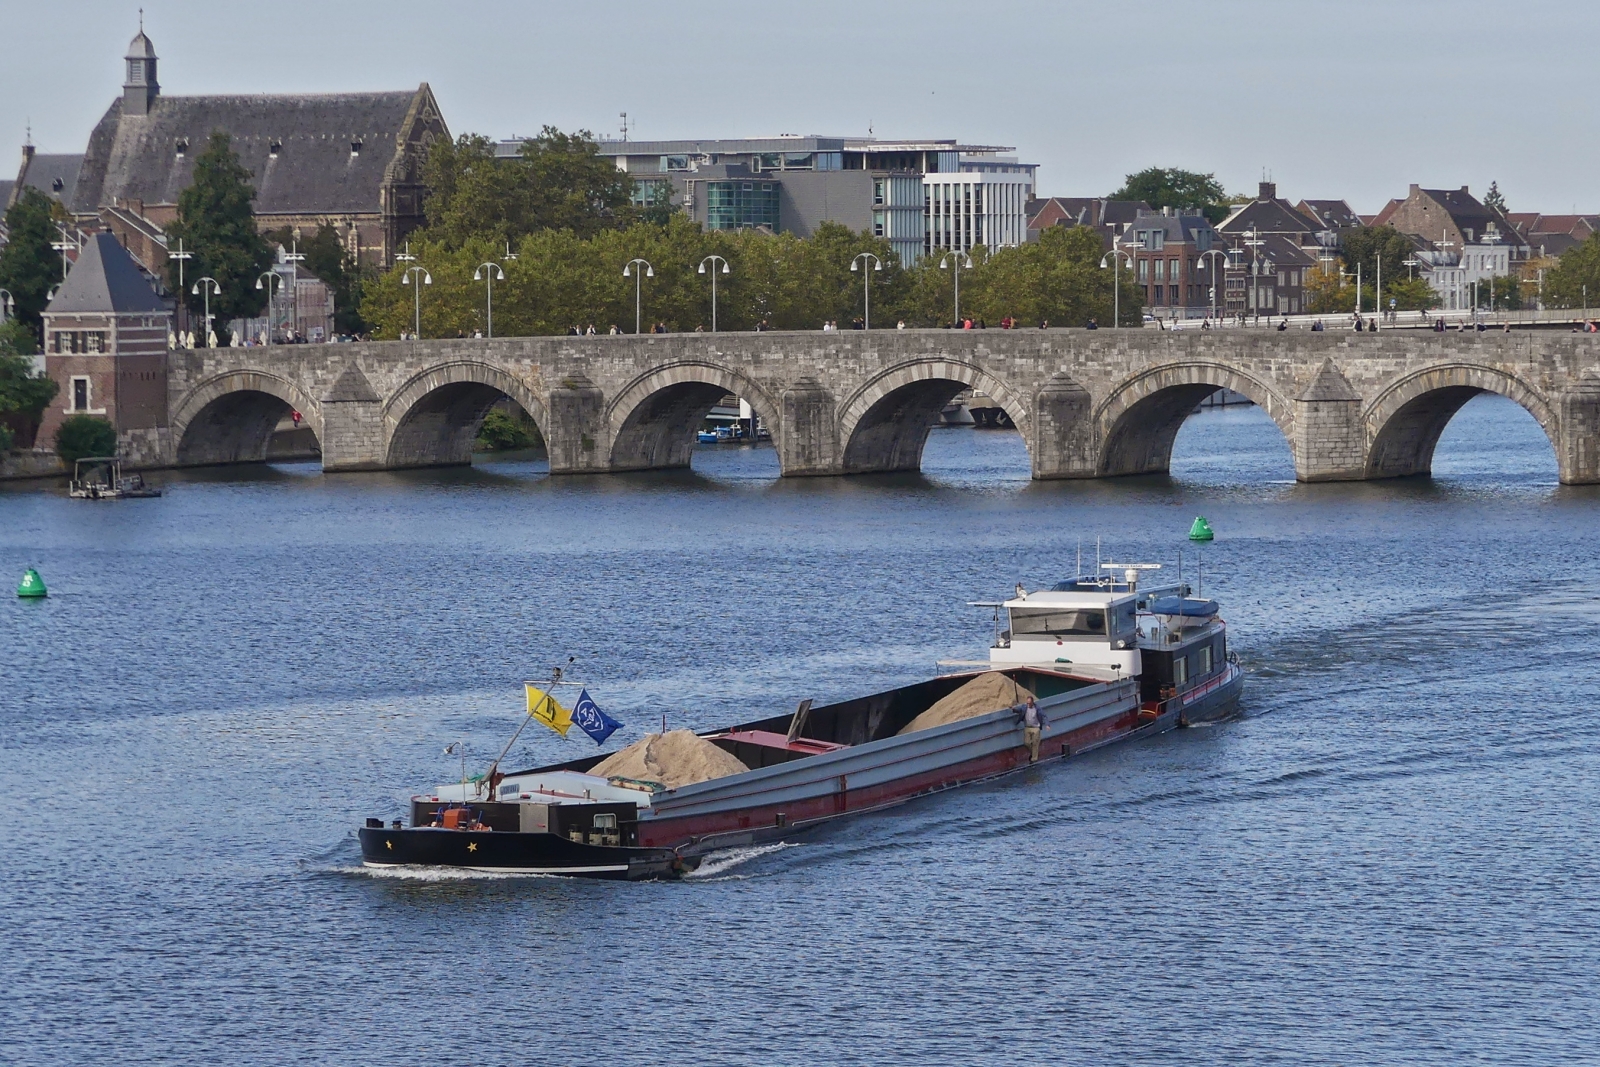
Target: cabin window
[605, 822]
[1205, 660]
[1180, 670]
[1057, 622]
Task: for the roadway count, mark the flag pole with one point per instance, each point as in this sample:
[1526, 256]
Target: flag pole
[555, 677]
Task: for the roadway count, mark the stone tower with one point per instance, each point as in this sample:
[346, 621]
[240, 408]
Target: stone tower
[140, 89]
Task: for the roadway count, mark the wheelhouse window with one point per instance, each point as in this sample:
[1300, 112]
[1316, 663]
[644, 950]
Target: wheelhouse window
[1180, 670]
[1059, 622]
[1205, 660]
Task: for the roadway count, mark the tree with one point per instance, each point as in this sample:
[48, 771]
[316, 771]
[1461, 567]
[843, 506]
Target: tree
[23, 394]
[1365, 246]
[1493, 200]
[1170, 187]
[1574, 282]
[558, 181]
[217, 224]
[1326, 293]
[1056, 279]
[82, 436]
[28, 265]
[1410, 294]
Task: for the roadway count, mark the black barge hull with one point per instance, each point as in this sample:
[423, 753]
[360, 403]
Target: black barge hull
[495, 852]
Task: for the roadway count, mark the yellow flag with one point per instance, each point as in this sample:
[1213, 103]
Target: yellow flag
[543, 707]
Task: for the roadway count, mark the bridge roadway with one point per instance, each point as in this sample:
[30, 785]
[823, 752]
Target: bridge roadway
[1088, 404]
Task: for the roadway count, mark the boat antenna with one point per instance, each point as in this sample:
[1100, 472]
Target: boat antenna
[1180, 573]
[1097, 567]
[459, 748]
[1200, 565]
[1079, 571]
[494, 768]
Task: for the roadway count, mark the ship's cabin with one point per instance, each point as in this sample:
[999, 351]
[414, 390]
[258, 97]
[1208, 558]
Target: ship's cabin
[1184, 641]
[1085, 622]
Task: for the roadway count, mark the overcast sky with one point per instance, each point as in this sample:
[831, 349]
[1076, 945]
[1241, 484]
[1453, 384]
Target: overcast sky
[1345, 99]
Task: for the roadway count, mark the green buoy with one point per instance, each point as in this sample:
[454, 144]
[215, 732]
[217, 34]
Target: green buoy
[32, 585]
[1201, 530]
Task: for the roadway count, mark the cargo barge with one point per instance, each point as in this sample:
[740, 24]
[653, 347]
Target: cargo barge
[1102, 659]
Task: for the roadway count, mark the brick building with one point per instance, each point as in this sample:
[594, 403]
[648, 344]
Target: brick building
[1168, 247]
[105, 337]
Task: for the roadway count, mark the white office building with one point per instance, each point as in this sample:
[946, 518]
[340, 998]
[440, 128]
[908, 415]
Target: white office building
[976, 206]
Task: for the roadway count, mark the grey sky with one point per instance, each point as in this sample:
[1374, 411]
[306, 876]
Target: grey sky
[1351, 99]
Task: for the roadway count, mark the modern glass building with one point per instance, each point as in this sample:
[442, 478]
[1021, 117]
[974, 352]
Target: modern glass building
[735, 204]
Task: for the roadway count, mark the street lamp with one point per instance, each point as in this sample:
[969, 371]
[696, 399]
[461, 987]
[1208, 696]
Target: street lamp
[488, 273]
[65, 245]
[1214, 278]
[1116, 281]
[416, 277]
[866, 293]
[638, 277]
[961, 260]
[207, 285]
[1254, 241]
[269, 276]
[713, 260]
[294, 258]
[182, 257]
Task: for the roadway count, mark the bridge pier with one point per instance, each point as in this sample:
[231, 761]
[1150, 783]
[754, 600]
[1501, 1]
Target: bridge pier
[354, 437]
[1328, 441]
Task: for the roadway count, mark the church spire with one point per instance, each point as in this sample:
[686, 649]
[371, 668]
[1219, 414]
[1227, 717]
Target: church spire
[140, 90]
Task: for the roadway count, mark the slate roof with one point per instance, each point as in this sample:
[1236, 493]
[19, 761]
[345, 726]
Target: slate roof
[1269, 216]
[53, 175]
[1332, 214]
[105, 279]
[313, 170]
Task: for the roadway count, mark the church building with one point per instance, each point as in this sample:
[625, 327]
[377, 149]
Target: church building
[351, 160]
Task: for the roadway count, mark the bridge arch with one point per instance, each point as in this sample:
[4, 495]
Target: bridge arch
[433, 419]
[1140, 418]
[1404, 421]
[884, 424]
[653, 419]
[230, 418]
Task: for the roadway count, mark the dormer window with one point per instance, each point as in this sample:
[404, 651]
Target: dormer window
[183, 147]
[274, 148]
[355, 148]
[56, 185]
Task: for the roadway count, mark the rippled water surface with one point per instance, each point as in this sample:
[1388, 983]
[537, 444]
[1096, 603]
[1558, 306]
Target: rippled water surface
[1390, 858]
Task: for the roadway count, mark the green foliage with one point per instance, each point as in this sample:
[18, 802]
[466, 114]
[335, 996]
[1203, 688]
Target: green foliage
[1056, 279]
[1493, 200]
[558, 182]
[217, 223]
[504, 432]
[1409, 294]
[1170, 187]
[1578, 267]
[23, 394]
[28, 265]
[1503, 293]
[560, 280]
[1364, 246]
[81, 436]
[1326, 293]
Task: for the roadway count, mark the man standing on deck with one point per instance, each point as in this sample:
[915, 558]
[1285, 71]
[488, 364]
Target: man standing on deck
[1033, 722]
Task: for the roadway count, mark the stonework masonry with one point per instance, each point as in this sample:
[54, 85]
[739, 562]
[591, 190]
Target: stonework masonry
[1088, 403]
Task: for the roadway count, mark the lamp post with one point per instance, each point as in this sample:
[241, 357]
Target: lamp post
[207, 285]
[638, 277]
[1214, 279]
[65, 245]
[1377, 289]
[1116, 281]
[488, 273]
[182, 257]
[961, 259]
[416, 277]
[866, 289]
[1254, 241]
[294, 258]
[713, 260]
[269, 276]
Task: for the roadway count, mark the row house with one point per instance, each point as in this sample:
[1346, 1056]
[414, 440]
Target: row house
[1168, 248]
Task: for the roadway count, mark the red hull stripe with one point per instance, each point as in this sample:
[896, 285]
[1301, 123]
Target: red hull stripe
[675, 832]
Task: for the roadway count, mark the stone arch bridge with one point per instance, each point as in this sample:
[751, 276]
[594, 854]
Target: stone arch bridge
[1088, 403]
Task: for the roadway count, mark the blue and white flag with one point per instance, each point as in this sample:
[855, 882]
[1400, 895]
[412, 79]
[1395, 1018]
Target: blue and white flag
[591, 720]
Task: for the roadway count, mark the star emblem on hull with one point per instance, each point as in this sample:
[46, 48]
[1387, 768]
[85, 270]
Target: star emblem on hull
[472, 846]
[389, 845]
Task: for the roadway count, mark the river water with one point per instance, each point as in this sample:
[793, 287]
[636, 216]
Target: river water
[1389, 858]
